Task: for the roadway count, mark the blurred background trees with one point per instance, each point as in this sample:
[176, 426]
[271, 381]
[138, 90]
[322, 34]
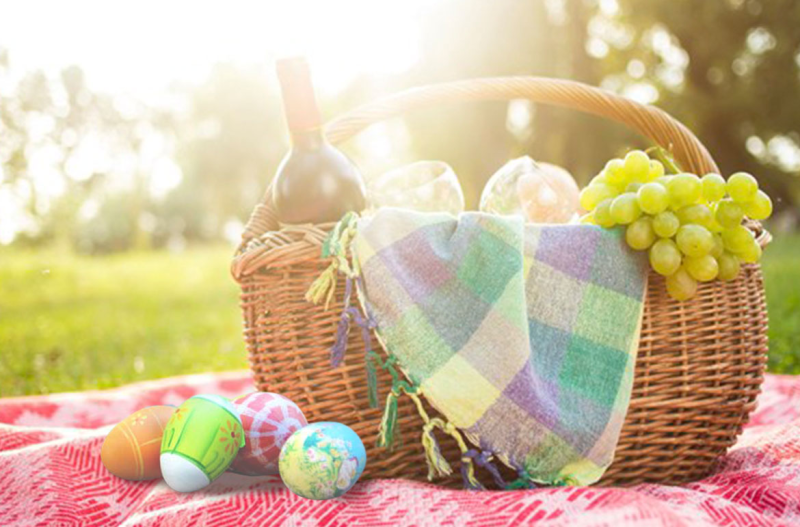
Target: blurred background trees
[101, 172]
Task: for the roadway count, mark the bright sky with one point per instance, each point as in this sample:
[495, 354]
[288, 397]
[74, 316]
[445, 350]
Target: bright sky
[140, 47]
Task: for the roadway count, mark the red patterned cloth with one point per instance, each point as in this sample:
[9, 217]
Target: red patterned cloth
[50, 474]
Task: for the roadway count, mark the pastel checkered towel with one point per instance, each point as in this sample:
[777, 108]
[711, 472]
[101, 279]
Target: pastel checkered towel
[524, 337]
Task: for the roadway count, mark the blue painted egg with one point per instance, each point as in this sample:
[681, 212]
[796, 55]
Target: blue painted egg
[322, 460]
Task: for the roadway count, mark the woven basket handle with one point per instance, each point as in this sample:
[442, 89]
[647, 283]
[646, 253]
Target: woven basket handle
[649, 121]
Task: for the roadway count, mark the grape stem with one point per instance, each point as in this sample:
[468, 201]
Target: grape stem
[665, 157]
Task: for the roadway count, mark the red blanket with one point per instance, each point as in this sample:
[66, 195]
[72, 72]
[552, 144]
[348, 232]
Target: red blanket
[50, 474]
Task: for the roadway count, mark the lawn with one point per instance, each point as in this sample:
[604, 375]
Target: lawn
[781, 266]
[72, 322]
[77, 322]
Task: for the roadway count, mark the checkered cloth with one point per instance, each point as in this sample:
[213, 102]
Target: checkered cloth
[523, 336]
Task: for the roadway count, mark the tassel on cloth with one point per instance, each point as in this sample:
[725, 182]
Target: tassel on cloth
[437, 464]
[324, 287]
[340, 344]
[343, 328]
[336, 246]
[372, 378]
[468, 474]
[484, 460]
[522, 482]
[389, 422]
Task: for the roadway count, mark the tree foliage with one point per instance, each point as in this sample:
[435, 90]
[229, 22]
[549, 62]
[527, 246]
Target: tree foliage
[729, 69]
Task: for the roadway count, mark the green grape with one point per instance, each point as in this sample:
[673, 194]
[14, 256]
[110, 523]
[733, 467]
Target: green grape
[684, 189]
[665, 258]
[625, 208]
[697, 214]
[742, 187]
[713, 187]
[587, 219]
[681, 286]
[637, 166]
[729, 213]
[694, 240]
[633, 186]
[656, 170]
[653, 198]
[602, 214]
[714, 225]
[666, 224]
[663, 180]
[760, 208]
[599, 178]
[737, 239]
[728, 266]
[615, 172]
[639, 234]
[594, 194]
[719, 246]
[751, 253]
[703, 268]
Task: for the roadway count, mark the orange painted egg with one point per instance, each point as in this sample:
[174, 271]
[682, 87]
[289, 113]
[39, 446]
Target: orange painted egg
[132, 449]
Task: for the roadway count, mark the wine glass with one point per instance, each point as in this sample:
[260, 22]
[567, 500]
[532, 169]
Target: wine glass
[425, 186]
[538, 192]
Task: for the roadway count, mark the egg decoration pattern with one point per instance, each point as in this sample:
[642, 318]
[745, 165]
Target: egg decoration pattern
[322, 461]
[132, 448]
[268, 420]
[200, 441]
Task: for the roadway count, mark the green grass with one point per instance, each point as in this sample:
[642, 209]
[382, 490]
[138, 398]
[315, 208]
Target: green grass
[781, 265]
[72, 322]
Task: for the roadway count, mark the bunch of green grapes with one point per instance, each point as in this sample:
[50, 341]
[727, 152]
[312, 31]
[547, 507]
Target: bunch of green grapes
[691, 226]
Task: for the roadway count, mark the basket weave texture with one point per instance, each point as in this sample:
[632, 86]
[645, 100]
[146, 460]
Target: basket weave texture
[700, 362]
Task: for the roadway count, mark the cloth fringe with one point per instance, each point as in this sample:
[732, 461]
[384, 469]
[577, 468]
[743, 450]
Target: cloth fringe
[437, 464]
[389, 422]
[337, 247]
[485, 460]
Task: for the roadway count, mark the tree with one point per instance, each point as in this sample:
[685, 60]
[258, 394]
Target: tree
[68, 153]
[727, 69]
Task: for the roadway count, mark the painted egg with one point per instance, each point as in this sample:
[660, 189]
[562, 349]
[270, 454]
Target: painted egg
[268, 420]
[200, 442]
[131, 450]
[322, 461]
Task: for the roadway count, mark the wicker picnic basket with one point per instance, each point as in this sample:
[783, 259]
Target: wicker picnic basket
[700, 363]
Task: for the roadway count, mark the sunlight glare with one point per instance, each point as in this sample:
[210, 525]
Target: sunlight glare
[144, 47]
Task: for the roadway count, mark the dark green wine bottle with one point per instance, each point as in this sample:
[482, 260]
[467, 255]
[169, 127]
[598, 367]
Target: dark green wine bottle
[315, 182]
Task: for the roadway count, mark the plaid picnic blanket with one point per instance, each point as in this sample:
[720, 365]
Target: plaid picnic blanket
[523, 336]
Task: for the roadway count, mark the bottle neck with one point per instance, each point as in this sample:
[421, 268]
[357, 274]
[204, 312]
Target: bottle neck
[300, 104]
[312, 139]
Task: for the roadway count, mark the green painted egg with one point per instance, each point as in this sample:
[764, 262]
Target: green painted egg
[322, 460]
[200, 441]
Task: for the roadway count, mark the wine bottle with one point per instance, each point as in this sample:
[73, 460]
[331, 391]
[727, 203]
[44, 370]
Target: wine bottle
[315, 182]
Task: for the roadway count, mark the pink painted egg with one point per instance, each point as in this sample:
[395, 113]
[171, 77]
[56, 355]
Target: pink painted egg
[268, 420]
